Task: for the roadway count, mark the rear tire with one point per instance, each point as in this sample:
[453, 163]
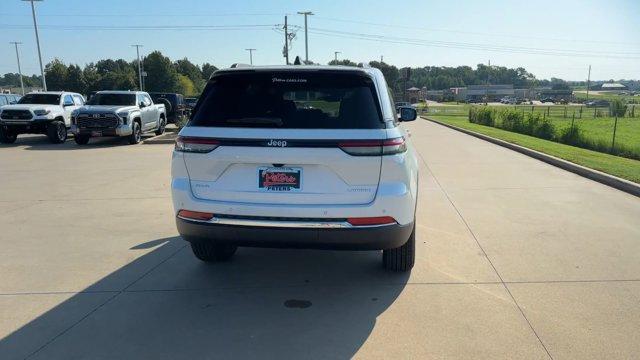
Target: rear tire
[211, 252]
[82, 139]
[136, 135]
[161, 127]
[403, 257]
[57, 132]
[7, 137]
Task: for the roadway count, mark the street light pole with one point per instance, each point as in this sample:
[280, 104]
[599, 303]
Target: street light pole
[306, 36]
[335, 55]
[250, 55]
[138, 46]
[35, 26]
[19, 69]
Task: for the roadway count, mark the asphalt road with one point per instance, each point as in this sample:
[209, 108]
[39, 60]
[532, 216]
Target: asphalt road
[516, 259]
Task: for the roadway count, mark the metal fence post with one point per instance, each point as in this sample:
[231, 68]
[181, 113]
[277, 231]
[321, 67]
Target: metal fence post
[613, 142]
[580, 112]
[548, 109]
[594, 112]
[565, 112]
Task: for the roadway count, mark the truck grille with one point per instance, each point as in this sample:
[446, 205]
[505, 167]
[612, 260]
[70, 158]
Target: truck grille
[103, 121]
[16, 115]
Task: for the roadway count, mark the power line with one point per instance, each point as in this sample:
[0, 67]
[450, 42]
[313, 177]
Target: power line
[173, 15]
[475, 33]
[472, 46]
[143, 28]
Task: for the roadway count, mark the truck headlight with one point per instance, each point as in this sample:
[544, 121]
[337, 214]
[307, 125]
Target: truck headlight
[41, 112]
[123, 116]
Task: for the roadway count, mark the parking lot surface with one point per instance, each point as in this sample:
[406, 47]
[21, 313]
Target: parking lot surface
[516, 259]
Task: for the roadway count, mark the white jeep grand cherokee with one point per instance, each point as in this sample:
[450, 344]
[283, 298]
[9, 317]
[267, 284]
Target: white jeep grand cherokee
[297, 156]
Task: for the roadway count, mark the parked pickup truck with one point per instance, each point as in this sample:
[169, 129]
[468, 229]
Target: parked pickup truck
[118, 113]
[46, 113]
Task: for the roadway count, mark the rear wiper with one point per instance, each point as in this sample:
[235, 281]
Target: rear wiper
[257, 121]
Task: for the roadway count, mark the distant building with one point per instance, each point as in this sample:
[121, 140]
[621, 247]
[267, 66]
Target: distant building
[488, 92]
[556, 95]
[414, 95]
[613, 87]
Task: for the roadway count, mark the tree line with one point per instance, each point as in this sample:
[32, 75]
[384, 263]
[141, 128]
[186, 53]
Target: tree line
[183, 76]
[163, 75]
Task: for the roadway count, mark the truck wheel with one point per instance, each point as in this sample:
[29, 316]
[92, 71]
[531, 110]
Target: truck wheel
[210, 252]
[7, 137]
[163, 124]
[136, 135]
[57, 132]
[403, 257]
[82, 139]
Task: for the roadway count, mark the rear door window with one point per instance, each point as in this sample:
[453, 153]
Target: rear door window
[292, 100]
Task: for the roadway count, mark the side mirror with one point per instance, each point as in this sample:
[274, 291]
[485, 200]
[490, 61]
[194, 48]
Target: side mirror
[407, 113]
[65, 104]
[142, 104]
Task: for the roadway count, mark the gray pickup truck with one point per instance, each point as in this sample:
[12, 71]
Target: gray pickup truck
[118, 113]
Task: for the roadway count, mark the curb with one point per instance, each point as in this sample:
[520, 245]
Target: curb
[595, 175]
[167, 138]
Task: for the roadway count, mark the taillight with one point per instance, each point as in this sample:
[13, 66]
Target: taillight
[195, 144]
[368, 221]
[373, 147]
[195, 215]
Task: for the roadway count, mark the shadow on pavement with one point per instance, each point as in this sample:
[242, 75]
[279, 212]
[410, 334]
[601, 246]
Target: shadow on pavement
[265, 303]
[41, 142]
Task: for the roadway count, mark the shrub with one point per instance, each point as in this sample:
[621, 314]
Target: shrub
[512, 120]
[618, 108]
[482, 116]
[573, 135]
[538, 126]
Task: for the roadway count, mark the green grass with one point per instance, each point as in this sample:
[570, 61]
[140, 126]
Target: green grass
[618, 166]
[599, 129]
[626, 98]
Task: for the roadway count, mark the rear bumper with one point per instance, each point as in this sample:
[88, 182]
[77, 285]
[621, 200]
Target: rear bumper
[355, 238]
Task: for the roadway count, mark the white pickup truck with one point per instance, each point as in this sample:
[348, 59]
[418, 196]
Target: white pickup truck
[118, 113]
[46, 113]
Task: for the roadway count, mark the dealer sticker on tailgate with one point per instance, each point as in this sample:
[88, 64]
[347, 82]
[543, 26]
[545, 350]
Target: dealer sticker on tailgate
[279, 179]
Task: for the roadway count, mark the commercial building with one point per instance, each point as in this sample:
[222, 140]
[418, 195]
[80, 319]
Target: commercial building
[488, 92]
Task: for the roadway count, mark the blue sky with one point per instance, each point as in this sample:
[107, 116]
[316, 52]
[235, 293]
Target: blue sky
[576, 33]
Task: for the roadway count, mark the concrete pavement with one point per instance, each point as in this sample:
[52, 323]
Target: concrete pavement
[516, 259]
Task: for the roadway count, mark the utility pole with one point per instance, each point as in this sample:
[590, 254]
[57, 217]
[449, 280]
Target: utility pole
[381, 58]
[306, 34]
[251, 55]
[335, 55]
[19, 69]
[138, 46]
[588, 82]
[286, 40]
[35, 26]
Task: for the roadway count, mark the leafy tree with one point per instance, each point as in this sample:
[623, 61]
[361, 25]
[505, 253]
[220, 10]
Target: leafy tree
[191, 71]
[345, 62]
[75, 79]
[161, 74]
[390, 72]
[56, 73]
[207, 70]
[186, 86]
[559, 84]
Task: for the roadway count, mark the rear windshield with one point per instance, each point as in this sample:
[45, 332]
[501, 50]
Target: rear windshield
[292, 100]
[40, 99]
[112, 99]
